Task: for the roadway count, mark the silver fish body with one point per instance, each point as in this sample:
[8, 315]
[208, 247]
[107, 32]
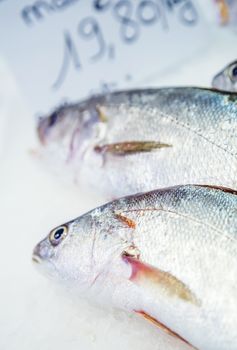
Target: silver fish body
[169, 254]
[133, 141]
[226, 79]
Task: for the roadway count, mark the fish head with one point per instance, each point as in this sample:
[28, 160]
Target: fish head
[227, 78]
[69, 129]
[84, 251]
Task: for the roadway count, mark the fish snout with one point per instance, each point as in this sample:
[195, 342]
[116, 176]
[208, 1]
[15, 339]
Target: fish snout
[42, 129]
[218, 81]
[42, 252]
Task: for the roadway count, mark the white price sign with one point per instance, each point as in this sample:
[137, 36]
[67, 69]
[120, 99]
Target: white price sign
[67, 49]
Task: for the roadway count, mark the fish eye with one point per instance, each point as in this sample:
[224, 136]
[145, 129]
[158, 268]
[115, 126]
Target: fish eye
[53, 118]
[233, 72]
[58, 234]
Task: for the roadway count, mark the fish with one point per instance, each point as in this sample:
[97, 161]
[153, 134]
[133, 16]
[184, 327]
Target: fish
[226, 79]
[134, 141]
[169, 255]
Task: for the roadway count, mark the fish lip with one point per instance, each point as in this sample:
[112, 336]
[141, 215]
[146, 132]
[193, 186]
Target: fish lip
[36, 259]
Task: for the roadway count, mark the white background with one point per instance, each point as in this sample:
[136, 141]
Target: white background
[36, 56]
[34, 314]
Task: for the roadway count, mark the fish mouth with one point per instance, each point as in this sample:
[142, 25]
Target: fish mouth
[37, 256]
[42, 252]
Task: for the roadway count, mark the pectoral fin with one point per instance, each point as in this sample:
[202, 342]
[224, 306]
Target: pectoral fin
[130, 147]
[157, 281]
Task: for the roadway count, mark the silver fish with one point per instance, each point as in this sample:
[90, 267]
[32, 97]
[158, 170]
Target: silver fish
[132, 141]
[226, 79]
[169, 255]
